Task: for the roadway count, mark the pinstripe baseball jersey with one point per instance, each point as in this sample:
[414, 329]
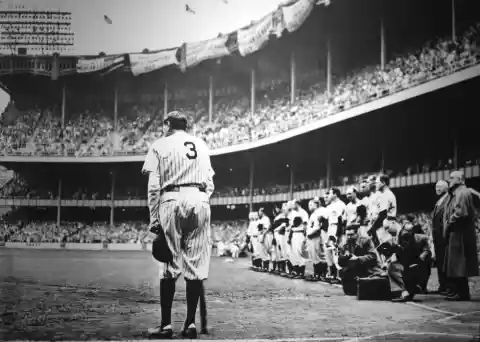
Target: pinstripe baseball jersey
[180, 158]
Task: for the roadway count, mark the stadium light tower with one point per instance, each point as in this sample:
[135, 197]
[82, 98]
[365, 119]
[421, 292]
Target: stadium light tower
[31, 31]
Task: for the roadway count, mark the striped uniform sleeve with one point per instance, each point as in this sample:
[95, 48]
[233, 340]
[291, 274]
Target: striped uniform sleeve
[151, 167]
[210, 172]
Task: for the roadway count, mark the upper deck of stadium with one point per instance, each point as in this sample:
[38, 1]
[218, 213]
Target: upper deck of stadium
[299, 82]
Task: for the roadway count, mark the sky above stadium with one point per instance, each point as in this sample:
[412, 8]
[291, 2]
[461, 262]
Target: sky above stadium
[152, 24]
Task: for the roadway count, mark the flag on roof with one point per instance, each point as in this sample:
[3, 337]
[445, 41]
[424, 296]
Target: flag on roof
[107, 20]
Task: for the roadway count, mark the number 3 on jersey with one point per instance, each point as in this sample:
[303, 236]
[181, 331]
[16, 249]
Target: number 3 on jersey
[192, 153]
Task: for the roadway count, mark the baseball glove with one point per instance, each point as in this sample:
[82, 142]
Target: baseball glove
[160, 250]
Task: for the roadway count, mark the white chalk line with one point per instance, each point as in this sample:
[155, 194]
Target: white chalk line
[445, 319]
[409, 333]
[430, 308]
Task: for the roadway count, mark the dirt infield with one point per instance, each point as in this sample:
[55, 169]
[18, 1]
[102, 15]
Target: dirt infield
[73, 295]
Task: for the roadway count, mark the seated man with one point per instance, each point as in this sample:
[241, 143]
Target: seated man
[410, 268]
[357, 258]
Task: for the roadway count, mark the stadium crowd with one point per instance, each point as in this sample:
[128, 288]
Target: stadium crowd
[92, 132]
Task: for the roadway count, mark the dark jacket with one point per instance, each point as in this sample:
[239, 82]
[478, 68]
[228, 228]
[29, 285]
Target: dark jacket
[459, 221]
[364, 249]
[415, 252]
[439, 240]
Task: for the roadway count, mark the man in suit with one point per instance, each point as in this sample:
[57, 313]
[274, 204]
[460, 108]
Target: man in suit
[439, 242]
[357, 258]
[461, 261]
[410, 269]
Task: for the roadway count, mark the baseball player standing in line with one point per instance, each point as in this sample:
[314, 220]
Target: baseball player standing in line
[280, 224]
[180, 184]
[252, 234]
[386, 218]
[336, 221]
[316, 253]
[269, 241]
[362, 209]
[373, 204]
[298, 239]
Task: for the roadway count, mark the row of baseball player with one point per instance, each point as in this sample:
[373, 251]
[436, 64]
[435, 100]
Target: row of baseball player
[296, 236]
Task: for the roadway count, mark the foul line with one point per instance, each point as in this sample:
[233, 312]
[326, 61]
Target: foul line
[426, 307]
[445, 319]
[410, 333]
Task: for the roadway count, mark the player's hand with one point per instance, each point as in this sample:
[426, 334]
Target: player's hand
[353, 257]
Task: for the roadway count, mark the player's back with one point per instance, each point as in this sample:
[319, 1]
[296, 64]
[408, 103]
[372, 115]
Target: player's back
[183, 159]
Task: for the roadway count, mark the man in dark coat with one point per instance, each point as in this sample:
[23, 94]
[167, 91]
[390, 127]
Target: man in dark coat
[439, 241]
[410, 267]
[461, 261]
[357, 258]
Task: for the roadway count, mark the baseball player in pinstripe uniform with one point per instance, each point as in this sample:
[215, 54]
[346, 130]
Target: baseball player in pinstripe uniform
[266, 248]
[298, 224]
[252, 239]
[280, 224]
[316, 253]
[180, 184]
[336, 221]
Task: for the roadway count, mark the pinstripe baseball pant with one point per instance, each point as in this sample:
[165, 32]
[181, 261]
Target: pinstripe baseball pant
[185, 219]
[280, 248]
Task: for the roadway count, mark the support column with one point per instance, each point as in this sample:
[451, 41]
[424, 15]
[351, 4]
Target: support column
[112, 198]
[252, 93]
[64, 103]
[454, 22]
[59, 203]
[292, 180]
[383, 46]
[455, 148]
[252, 176]
[329, 65]
[165, 102]
[293, 81]
[329, 167]
[115, 107]
[382, 161]
[210, 99]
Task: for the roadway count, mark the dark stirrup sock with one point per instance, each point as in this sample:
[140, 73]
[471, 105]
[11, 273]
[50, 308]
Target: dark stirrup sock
[194, 289]
[167, 292]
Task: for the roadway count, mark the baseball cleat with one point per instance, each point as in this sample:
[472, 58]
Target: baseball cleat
[161, 333]
[190, 332]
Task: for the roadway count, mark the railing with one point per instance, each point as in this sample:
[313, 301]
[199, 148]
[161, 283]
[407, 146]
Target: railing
[395, 183]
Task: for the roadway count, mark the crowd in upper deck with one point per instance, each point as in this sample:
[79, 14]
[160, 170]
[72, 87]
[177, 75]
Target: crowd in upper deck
[92, 132]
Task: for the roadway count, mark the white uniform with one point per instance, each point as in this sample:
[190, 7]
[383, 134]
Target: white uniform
[362, 231]
[386, 200]
[266, 242]
[281, 239]
[316, 252]
[253, 233]
[335, 210]
[298, 238]
[179, 188]
[351, 212]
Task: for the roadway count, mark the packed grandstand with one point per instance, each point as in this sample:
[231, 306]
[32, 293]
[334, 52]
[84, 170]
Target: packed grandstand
[89, 128]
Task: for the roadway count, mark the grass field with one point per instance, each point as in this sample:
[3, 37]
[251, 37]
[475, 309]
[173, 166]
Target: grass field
[77, 295]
